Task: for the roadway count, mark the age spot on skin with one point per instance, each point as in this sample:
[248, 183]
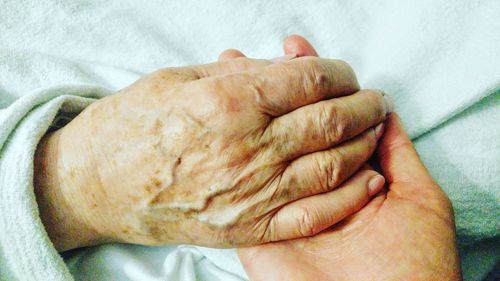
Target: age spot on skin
[153, 185]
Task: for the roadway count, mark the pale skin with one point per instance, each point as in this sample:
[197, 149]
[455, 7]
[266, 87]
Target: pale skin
[406, 232]
[227, 154]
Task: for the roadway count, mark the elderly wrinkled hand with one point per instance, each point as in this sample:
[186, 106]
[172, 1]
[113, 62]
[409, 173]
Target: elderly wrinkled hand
[405, 233]
[233, 153]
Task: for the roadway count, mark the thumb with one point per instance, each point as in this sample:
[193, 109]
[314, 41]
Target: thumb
[405, 173]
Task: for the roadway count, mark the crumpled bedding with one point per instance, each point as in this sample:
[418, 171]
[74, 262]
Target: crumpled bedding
[438, 60]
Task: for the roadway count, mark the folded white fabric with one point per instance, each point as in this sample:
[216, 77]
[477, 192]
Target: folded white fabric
[25, 250]
[438, 60]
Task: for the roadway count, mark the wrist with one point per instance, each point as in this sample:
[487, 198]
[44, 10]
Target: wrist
[61, 205]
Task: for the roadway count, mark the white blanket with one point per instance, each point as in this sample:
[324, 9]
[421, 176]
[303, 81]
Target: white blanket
[439, 61]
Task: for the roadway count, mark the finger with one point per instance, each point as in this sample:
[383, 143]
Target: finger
[296, 44]
[406, 174]
[324, 124]
[323, 171]
[309, 216]
[195, 72]
[280, 88]
[230, 54]
[233, 61]
[235, 65]
[398, 158]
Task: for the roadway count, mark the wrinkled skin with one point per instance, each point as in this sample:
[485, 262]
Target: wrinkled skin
[219, 155]
[405, 233]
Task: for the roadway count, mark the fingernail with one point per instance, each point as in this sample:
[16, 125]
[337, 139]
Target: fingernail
[389, 104]
[375, 184]
[284, 58]
[379, 130]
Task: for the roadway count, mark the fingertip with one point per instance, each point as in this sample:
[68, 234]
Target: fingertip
[375, 184]
[230, 54]
[296, 44]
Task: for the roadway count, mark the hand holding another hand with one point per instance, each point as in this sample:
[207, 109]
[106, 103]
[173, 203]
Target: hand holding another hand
[405, 233]
[234, 153]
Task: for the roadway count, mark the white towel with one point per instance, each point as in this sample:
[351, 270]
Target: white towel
[440, 62]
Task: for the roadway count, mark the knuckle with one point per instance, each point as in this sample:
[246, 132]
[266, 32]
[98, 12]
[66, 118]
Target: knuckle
[372, 92]
[333, 121]
[308, 221]
[257, 88]
[336, 166]
[320, 77]
[317, 74]
[376, 100]
[375, 96]
[339, 123]
[330, 170]
[320, 80]
[321, 170]
[347, 68]
[323, 73]
[344, 65]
